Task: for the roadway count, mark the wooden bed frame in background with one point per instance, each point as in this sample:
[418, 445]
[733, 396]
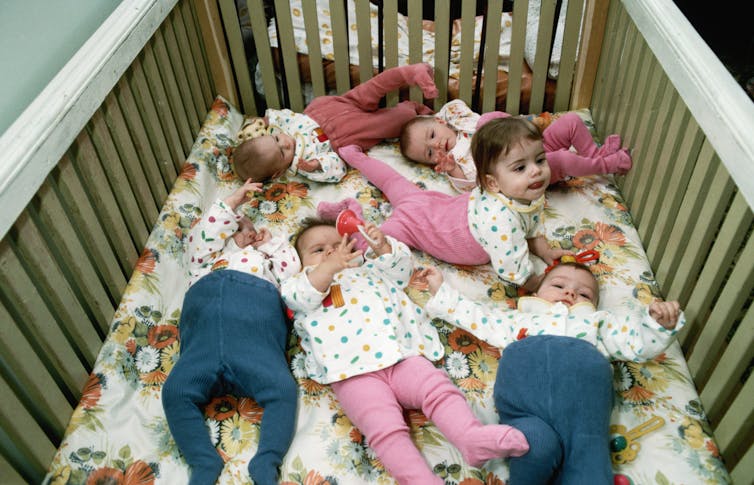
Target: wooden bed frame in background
[88, 166]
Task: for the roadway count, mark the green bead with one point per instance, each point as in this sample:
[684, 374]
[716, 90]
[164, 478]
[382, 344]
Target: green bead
[619, 443]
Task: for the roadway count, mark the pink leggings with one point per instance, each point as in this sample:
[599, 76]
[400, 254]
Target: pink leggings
[374, 403]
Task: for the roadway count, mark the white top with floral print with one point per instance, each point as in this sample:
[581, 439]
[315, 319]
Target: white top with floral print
[374, 326]
[211, 248]
[501, 326]
[463, 120]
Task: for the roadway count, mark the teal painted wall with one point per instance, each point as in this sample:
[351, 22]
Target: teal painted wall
[37, 38]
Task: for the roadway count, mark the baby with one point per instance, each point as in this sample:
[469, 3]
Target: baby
[554, 381]
[306, 143]
[444, 141]
[364, 336]
[233, 337]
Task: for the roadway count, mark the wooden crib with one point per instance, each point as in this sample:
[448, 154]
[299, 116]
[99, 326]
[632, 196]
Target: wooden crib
[89, 165]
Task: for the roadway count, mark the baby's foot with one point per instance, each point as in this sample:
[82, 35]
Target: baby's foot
[611, 145]
[350, 153]
[422, 75]
[329, 210]
[494, 441]
[619, 162]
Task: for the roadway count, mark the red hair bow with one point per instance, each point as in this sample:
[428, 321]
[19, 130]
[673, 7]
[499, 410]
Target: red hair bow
[583, 258]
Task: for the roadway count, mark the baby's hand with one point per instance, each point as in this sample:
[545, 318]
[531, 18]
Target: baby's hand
[444, 162]
[344, 256]
[262, 236]
[380, 245]
[666, 313]
[552, 254]
[241, 194]
[431, 276]
[308, 165]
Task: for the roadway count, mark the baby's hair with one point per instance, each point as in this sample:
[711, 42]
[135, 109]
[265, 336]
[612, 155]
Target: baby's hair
[404, 140]
[495, 138]
[250, 162]
[306, 224]
[577, 265]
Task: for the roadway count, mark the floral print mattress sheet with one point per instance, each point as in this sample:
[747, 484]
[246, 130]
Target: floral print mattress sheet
[118, 432]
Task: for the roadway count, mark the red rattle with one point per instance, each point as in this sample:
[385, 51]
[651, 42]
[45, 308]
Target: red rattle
[348, 223]
[583, 258]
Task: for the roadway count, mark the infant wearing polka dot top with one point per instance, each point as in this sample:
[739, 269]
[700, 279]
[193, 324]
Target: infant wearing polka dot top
[554, 381]
[233, 336]
[365, 337]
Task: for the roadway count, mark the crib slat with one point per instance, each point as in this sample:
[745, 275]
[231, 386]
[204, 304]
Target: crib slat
[84, 219]
[189, 61]
[148, 80]
[193, 30]
[711, 340]
[173, 53]
[626, 68]
[415, 43]
[650, 199]
[124, 146]
[542, 56]
[491, 55]
[31, 382]
[36, 321]
[610, 62]
[364, 36]
[159, 182]
[25, 435]
[590, 50]
[9, 475]
[67, 249]
[743, 472]
[87, 165]
[264, 55]
[689, 210]
[163, 138]
[442, 54]
[238, 55]
[712, 275]
[568, 55]
[112, 167]
[466, 65]
[738, 420]
[174, 96]
[518, 38]
[682, 166]
[42, 268]
[649, 80]
[633, 78]
[727, 374]
[339, 21]
[313, 44]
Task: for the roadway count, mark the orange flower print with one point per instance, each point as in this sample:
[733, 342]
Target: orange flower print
[297, 189]
[712, 448]
[221, 407]
[146, 262]
[492, 480]
[609, 234]
[92, 392]
[131, 346]
[139, 473]
[355, 435]
[471, 481]
[462, 341]
[154, 378]
[585, 239]
[161, 336]
[188, 171]
[314, 478]
[471, 384]
[106, 476]
[415, 418]
[275, 192]
[249, 409]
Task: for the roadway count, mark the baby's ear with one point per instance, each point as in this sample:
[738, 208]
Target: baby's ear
[490, 183]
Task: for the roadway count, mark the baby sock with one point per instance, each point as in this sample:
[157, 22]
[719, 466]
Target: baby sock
[493, 441]
[619, 162]
[329, 210]
[611, 145]
[421, 75]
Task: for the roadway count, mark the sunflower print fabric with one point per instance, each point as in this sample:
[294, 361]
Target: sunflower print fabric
[118, 432]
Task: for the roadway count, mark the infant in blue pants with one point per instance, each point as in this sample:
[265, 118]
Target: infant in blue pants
[233, 336]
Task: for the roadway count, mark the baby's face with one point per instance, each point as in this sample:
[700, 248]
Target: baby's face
[316, 243]
[522, 174]
[429, 139]
[569, 285]
[280, 148]
[246, 233]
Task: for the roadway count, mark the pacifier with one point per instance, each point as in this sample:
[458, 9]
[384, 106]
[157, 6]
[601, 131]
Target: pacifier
[349, 223]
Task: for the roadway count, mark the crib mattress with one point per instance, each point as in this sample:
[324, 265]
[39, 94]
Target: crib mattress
[119, 432]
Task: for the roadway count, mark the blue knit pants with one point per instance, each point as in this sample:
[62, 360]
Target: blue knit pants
[233, 337]
[558, 391]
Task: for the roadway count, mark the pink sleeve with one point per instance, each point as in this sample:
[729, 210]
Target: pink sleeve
[490, 116]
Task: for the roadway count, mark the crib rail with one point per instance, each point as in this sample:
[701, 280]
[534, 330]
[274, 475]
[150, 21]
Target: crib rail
[66, 258]
[690, 194]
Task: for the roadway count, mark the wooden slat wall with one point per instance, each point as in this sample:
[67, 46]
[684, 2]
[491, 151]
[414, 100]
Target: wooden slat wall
[695, 226]
[65, 262]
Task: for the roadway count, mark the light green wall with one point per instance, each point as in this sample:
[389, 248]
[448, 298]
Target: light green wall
[37, 38]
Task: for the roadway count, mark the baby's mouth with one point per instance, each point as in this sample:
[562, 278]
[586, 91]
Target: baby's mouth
[536, 185]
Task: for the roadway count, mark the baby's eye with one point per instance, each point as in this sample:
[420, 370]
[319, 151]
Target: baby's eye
[429, 154]
[542, 160]
[519, 168]
[431, 134]
[558, 286]
[586, 295]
